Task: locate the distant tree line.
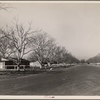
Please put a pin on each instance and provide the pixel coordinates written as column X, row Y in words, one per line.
column 45, row 50
column 95, row 59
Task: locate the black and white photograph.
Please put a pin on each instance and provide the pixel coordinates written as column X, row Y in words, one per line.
column 49, row 48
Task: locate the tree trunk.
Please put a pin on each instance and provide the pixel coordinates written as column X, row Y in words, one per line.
column 24, row 68
column 18, row 67
column 45, row 67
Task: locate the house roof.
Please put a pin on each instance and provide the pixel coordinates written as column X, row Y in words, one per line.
column 3, row 60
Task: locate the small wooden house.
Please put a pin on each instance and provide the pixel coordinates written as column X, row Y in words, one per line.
column 10, row 64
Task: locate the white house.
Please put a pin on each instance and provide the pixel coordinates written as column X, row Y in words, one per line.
column 2, row 63
column 35, row 64
column 6, row 64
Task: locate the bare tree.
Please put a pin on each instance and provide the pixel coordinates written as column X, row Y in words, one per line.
column 61, row 55
column 5, row 47
column 58, row 54
column 4, row 6
column 42, row 45
column 14, row 43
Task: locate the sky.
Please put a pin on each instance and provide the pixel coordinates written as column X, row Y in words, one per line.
column 73, row 25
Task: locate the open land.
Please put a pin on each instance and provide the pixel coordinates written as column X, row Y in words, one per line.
column 81, row 80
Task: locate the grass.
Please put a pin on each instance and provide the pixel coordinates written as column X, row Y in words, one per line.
column 7, row 74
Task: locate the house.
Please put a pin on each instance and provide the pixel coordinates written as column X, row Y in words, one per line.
column 35, row 65
column 10, row 64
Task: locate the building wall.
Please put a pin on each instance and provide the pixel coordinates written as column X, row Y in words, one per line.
column 2, row 65
column 35, row 64
column 8, row 64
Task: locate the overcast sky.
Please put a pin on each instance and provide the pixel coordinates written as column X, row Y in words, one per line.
column 74, row 25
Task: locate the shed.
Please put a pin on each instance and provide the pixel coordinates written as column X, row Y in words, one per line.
column 10, row 64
